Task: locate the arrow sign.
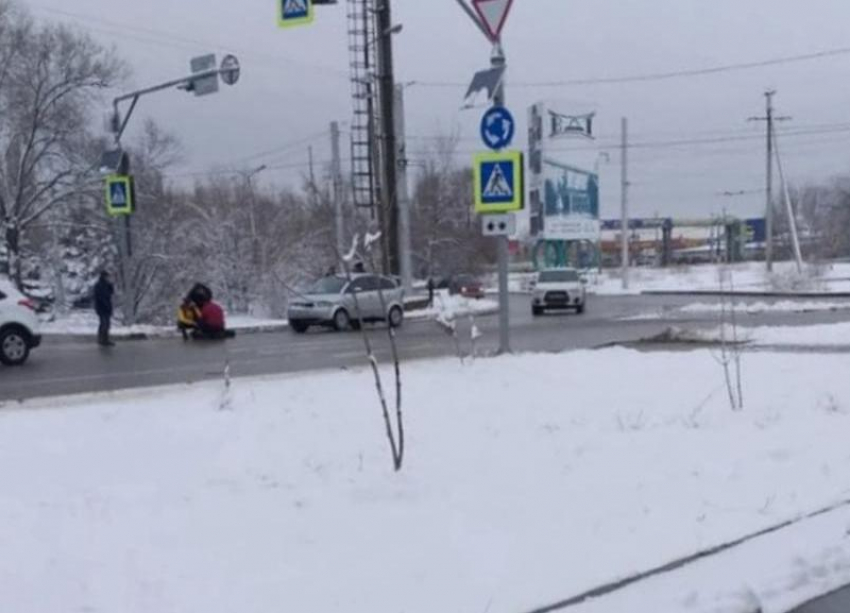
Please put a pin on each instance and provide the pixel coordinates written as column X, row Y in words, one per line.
column 497, row 128
column 493, row 15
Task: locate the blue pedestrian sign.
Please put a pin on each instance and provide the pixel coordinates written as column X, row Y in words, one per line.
column 119, row 195
column 499, row 182
column 498, row 128
column 294, row 13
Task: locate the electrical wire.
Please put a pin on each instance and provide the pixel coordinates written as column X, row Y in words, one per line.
column 662, row 76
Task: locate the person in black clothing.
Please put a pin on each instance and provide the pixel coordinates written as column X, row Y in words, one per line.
column 430, row 291
column 103, row 291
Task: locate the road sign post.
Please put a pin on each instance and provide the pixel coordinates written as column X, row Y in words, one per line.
column 499, row 187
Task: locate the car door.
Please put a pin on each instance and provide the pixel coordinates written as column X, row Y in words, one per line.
column 363, row 287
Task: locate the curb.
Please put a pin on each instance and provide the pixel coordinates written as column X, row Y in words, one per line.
column 745, row 294
column 145, row 336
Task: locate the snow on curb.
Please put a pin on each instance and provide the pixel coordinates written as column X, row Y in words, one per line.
column 85, row 325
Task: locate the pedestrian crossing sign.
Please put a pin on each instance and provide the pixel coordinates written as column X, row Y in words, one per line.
column 119, row 195
column 294, row 13
column 499, row 182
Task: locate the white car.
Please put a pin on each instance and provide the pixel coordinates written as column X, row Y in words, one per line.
column 558, row 288
column 19, row 330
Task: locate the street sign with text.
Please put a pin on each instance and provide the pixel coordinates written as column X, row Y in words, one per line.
column 493, row 15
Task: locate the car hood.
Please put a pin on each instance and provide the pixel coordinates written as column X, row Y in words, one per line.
column 304, row 298
column 558, row 286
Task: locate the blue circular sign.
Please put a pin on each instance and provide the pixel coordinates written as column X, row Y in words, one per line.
column 498, row 128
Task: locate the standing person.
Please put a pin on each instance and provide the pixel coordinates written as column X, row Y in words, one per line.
column 103, row 291
column 430, row 291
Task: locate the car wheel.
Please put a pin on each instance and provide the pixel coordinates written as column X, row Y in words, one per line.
column 536, row 311
column 14, row 348
column 341, row 320
column 580, row 309
column 396, row 317
column 299, row 327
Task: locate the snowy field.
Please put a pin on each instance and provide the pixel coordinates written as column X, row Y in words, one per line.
column 528, row 479
column 749, row 276
column 825, row 335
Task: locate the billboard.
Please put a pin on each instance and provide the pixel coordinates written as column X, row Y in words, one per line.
column 563, row 199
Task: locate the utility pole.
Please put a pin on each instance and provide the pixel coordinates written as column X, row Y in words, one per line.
column 405, row 264
column 336, row 172
column 769, row 119
column 389, row 164
column 624, row 203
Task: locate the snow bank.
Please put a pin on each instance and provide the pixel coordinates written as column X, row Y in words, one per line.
column 85, row 324
column 749, row 276
column 756, row 308
column 448, row 308
column 528, row 479
column 824, row 335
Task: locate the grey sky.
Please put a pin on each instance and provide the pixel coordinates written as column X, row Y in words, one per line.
column 296, row 81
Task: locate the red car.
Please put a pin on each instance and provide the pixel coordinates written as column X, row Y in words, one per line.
column 466, row 286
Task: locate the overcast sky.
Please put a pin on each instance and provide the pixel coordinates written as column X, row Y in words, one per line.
column 295, row 82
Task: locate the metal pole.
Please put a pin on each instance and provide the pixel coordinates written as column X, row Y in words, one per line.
column 768, row 251
column 624, row 204
column 405, row 264
column 390, row 231
column 498, row 60
column 336, row 170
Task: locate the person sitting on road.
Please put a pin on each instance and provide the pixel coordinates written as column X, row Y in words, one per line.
column 188, row 315
column 210, row 325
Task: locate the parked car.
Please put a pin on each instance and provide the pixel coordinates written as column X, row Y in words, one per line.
column 558, row 288
column 463, row 285
column 19, row 330
column 331, row 302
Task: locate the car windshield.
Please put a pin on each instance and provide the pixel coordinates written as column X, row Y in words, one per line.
column 328, row 285
column 559, row 276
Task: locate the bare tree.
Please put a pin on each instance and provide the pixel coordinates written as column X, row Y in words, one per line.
column 50, row 77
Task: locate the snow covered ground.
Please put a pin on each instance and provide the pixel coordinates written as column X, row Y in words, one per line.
column 448, row 308
column 825, row 335
column 84, row 323
column 749, row 276
column 528, row 479
column 758, row 308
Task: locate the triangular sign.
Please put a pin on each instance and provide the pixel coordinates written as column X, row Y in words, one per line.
column 295, row 8
column 497, row 185
column 118, row 196
column 493, row 15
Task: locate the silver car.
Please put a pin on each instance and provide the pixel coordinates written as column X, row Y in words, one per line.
column 331, row 302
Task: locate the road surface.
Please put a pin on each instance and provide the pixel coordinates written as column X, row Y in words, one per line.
column 68, row 366
column 837, row 602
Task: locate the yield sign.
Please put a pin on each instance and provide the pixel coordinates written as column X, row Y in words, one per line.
column 493, row 15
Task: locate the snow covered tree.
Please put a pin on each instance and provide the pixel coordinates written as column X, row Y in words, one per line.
column 51, row 76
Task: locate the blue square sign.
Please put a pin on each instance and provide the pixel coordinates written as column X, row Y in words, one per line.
column 498, row 182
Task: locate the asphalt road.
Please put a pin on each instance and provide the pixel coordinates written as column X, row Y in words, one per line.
column 837, row 602
column 68, row 366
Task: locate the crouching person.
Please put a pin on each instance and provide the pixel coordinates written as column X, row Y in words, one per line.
column 210, row 324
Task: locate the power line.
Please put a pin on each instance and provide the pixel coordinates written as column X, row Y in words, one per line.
column 172, row 39
column 665, row 76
